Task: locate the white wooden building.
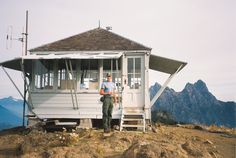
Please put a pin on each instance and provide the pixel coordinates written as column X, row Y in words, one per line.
column 64, row 77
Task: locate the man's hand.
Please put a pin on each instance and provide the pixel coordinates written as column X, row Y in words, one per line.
column 104, row 93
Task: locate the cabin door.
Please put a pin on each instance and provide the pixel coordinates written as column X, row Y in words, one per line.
column 134, row 81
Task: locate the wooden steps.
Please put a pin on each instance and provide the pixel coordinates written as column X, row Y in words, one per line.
column 132, row 120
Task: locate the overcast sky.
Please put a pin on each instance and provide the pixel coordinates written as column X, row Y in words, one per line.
column 200, row 32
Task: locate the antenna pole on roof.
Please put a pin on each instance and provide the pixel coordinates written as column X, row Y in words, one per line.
column 23, row 68
column 26, row 33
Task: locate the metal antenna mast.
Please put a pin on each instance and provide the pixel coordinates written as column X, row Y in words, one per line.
column 23, row 67
column 26, row 33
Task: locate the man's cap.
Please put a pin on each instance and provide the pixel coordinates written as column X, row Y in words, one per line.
column 108, row 75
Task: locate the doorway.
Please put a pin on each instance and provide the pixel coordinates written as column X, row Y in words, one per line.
column 134, row 89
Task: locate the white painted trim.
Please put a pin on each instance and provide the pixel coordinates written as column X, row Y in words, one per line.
column 78, row 73
column 89, row 52
column 73, row 56
column 100, row 71
column 146, row 90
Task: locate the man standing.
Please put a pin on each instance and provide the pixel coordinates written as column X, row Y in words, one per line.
column 108, row 91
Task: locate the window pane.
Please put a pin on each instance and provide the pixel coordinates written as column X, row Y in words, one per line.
column 137, row 65
column 130, row 81
column 137, row 79
column 114, row 64
column 44, row 74
column 64, row 77
column 89, row 74
column 93, row 79
column 130, row 65
column 85, row 64
column 107, row 64
column 93, row 64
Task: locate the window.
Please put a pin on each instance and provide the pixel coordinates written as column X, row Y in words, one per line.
column 134, row 73
column 66, row 80
column 110, row 66
column 53, row 74
column 89, row 74
column 44, row 74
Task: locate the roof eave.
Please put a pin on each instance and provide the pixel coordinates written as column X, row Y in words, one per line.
column 95, row 51
column 165, row 65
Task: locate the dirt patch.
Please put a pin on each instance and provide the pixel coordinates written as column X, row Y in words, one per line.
column 164, row 141
column 148, row 150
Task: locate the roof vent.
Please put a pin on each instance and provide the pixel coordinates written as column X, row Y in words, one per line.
column 108, row 28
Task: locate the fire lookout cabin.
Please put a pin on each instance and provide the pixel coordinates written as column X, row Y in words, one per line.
column 64, row 77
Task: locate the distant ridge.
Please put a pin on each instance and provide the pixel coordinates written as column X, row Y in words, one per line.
column 8, row 119
column 195, row 104
column 13, row 105
column 10, row 112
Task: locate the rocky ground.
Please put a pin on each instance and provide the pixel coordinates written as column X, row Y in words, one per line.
column 183, row 141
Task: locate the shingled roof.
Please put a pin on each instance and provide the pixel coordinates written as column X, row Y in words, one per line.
column 94, row 40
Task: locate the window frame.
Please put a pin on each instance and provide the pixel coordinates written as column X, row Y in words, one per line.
column 134, row 73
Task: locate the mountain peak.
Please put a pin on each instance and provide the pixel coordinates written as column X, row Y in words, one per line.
column 188, row 85
column 10, row 97
column 201, row 86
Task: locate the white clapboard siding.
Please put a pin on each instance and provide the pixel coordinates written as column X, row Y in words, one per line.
column 65, row 100
column 75, row 116
column 59, row 105
column 45, row 113
column 50, row 110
